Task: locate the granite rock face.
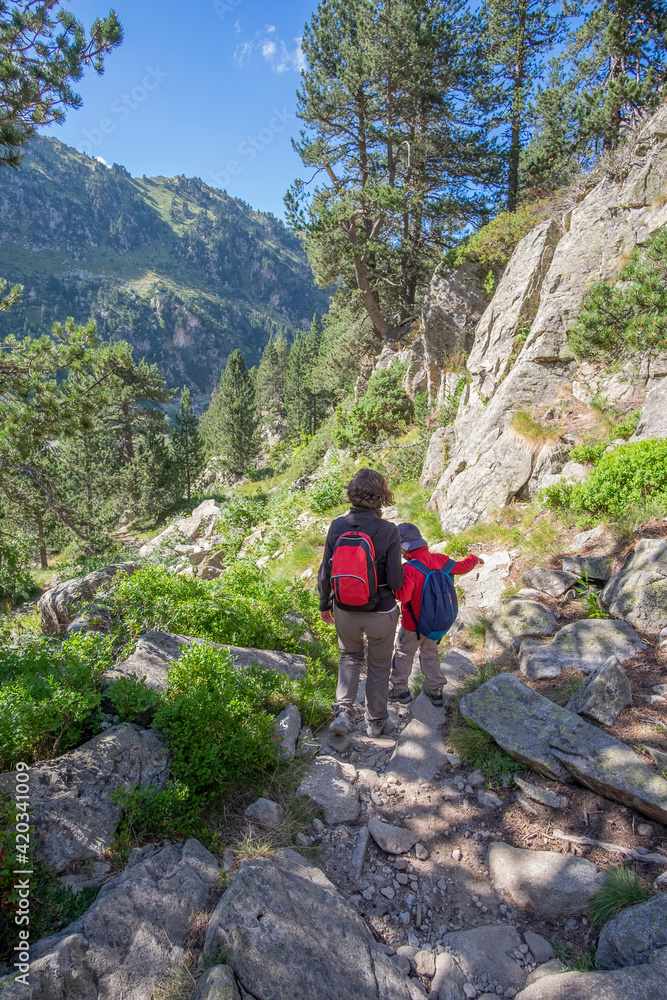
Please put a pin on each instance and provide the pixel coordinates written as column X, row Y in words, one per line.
column 653, row 421
column 60, row 605
column 638, row 594
column 631, row 936
column 125, row 944
column 289, row 934
column 520, row 359
column 288, row 727
column 326, row 787
column 550, row 581
column 584, row 645
column 554, row 885
column 604, row 694
column 641, row 982
column 594, row 567
column 487, row 949
column 73, row 815
column 515, row 619
column 557, row 744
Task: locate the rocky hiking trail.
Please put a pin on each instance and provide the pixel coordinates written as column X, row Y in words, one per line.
column 418, row 874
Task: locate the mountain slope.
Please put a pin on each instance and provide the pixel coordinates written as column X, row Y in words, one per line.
column 179, row 269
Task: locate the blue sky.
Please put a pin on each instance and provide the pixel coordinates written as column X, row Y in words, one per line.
column 205, row 89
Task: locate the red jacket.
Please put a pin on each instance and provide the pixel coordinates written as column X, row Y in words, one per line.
column 413, row 581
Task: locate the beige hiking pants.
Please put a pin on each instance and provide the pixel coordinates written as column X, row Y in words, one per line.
column 380, row 630
column 407, row 644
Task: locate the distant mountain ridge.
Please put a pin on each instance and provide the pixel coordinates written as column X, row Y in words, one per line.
column 177, row 268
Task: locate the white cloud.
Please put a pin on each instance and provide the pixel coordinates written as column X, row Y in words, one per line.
column 100, row 159
column 275, row 52
column 237, row 27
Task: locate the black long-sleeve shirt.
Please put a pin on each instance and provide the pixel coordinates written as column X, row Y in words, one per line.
column 387, row 544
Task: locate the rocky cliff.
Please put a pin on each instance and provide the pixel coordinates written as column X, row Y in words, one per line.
column 518, row 357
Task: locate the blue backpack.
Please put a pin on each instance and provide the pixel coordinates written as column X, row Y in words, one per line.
column 439, row 603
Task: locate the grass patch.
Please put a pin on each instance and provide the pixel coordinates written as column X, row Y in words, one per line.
column 475, row 633
column 479, row 749
column 576, row 961
column 411, row 501
column 621, row 888
column 564, row 687
column 180, row 984
column 532, row 430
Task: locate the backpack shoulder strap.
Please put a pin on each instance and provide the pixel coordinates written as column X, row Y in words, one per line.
column 420, row 566
column 449, row 566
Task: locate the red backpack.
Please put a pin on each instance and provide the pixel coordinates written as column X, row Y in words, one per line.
column 353, row 575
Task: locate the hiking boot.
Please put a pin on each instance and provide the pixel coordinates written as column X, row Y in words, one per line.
column 374, row 729
column 342, row 724
column 403, row 697
column 435, row 697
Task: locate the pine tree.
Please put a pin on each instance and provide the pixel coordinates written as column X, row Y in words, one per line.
column 187, row 445
column 396, row 120
column 271, row 376
column 230, row 425
column 296, row 388
column 521, row 33
column 315, row 397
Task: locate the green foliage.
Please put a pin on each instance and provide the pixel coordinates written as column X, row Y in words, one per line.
column 237, row 517
column 451, row 401
column 526, row 425
column 49, row 695
column 627, row 317
column 133, row 700
column 326, row 494
column 54, row 905
column 16, row 553
column 493, row 244
column 243, row 608
column 628, row 477
column 576, row 961
column 621, row 888
column 384, row 409
column 589, row 451
column 626, row 428
column 230, row 425
column 43, row 51
column 187, row 445
column 477, row 748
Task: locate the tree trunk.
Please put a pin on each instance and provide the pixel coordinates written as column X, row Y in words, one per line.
column 43, row 559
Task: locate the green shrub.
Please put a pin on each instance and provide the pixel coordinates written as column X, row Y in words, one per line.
column 621, row 888
column 49, row 695
column 238, row 517
column 589, row 451
column 626, row 428
column 627, row 316
column 16, row 552
column 133, row 700
column 326, row 494
column 625, row 478
column 385, row 409
column 244, row 607
column 493, row 245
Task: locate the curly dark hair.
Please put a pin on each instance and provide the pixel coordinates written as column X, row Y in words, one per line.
column 369, row 489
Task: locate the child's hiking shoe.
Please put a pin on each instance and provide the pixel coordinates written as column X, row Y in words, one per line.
column 402, row 697
column 435, row 697
column 342, row 724
column 374, row 729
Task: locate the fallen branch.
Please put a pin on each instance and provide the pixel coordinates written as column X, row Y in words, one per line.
column 656, row 859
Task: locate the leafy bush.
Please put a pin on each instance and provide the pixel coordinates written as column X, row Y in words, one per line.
column 589, row 451
column 626, row 428
column 627, row 316
column 237, row 518
column 326, row 494
column 493, row 245
column 384, row 409
column 133, row 700
column 621, row 888
column 244, row 607
column 624, row 478
column 49, row 695
column 16, row 583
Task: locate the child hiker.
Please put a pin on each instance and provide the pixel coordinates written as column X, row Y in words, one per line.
column 429, row 609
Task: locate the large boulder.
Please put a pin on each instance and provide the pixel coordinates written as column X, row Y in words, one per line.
column 289, row 934
column 558, row 743
column 554, row 885
column 593, row 567
column 642, row 982
column 134, row 933
column 187, row 529
column 155, row 652
column 72, row 812
column 420, row 750
column 488, row 951
column 435, row 458
column 515, row 619
column 653, row 421
column 325, row 786
column 631, row 936
column 638, row 593
column 582, row 645
column 482, row 588
column 554, row 582
column 60, row 605
column 604, row 694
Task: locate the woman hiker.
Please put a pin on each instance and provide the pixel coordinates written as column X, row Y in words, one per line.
column 360, row 571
